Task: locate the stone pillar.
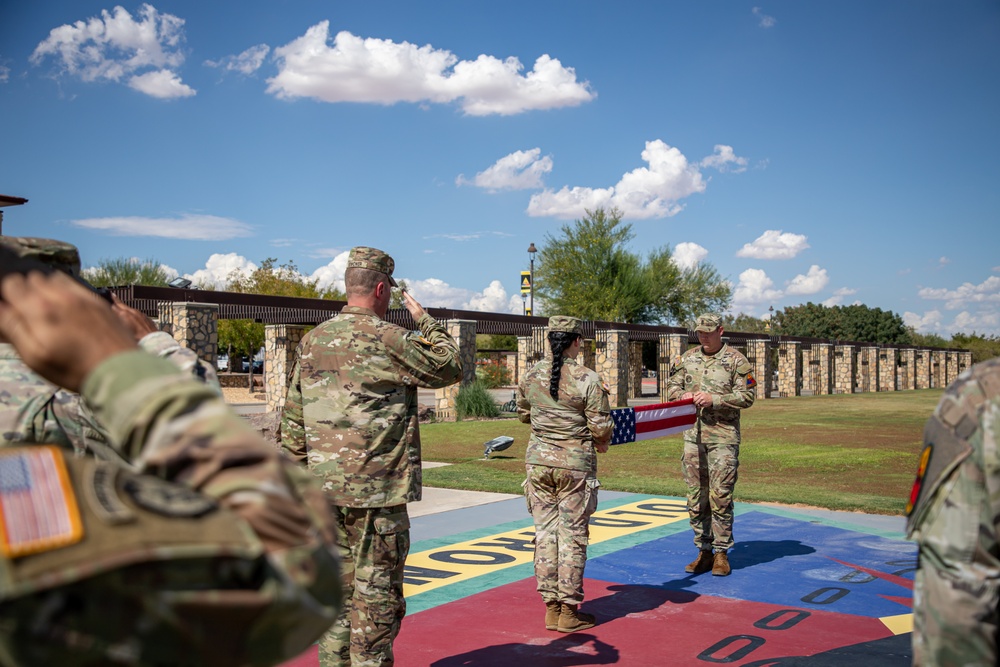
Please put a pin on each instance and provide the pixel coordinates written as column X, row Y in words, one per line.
column 887, row 369
column 938, row 369
column 612, row 364
column 464, row 333
column 789, row 368
column 759, row 356
column 908, row 368
column 844, row 363
column 868, row 369
column 809, row 371
column 669, row 348
column 588, row 354
column 950, row 367
column 923, row 375
column 193, row 325
column 823, row 352
column 280, row 341
column 964, row 360
column 635, row 368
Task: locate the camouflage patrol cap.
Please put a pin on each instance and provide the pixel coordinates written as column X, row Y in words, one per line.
column 363, row 257
column 565, row 323
column 57, row 254
column 708, row 323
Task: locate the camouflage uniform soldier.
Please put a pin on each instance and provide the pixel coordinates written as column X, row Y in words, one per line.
column 214, row 550
column 953, row 514
column 351, row 417
column 719, row 380
column 33, row 409
column 567, row 407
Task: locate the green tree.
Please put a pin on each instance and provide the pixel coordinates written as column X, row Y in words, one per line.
column 121, row 271
column 745, row 324
column 855, row 322
column 245, row 337
column 928, row 340
column 588, row 272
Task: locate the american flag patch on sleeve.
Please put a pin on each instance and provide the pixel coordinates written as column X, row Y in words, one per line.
column 38, row 509
column 652, row 421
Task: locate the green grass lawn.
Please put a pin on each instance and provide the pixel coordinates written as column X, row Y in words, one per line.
column 843, row 452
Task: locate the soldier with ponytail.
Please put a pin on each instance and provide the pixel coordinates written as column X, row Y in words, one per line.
column 567, row 407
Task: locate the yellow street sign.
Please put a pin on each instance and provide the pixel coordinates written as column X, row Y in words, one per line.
column 525, row 282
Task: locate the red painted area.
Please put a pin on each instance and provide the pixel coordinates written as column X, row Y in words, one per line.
column 638, row 625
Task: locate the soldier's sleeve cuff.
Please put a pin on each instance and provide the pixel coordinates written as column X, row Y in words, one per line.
column 158, row 342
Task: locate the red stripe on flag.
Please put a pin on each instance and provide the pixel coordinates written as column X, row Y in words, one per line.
column 663, row 419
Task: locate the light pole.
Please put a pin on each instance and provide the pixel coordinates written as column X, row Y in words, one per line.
column 531, row 276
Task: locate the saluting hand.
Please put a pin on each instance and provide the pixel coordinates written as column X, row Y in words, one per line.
column 416, row 310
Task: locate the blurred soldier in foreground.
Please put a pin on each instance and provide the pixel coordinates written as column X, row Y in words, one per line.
column 351, row 416
column 953, row 515
column 567, row 407
column 719, row 380
column 213, row 551
column 34, row 410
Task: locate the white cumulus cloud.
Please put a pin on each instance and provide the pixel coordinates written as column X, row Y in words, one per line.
column 724, row 159
column 754, row 288
column 118, row 47
column 774, row 244
column 188, row 227
column 987, row 291
column 765, row 20
column 332, row 274
column 380, row 71
column 218, row 268
column 687, row 255
column 245, row 63
column 838, row 297
column 809, row 283
column 646, row 192
column 521, row 170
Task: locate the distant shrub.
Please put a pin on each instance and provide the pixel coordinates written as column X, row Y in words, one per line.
column 492, row 374
column 474, row 400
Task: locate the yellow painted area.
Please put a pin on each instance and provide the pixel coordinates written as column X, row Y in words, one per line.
column 451, row 564
column 898, row 625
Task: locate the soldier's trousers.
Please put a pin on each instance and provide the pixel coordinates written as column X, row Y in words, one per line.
column 372, row 544
column 561, row 502
column 710, row 472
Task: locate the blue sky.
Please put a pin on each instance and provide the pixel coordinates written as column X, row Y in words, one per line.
column 811, row 151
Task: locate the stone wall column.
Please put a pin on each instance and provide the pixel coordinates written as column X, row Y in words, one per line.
column 810, row 369
column 759, row 356
column 908, row 368
column 789, row 368
column 668, row 349
column 964, row 360
column 887, row 369
column 464, row 333
column 280, row 342
column 824, row 353
column 844, row 361
column 193, row 325
column 938, row 369
column 612, row 364
column 868, row 369
column 923, row 369
column 588, row 354
column 635, row 368
column 951, row 367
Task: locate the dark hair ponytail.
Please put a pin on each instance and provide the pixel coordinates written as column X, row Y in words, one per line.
column 559, row 341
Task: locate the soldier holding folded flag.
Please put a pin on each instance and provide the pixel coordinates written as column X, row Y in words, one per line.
column 718, row 379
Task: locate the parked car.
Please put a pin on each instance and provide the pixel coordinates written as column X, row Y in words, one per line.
column 222, row 362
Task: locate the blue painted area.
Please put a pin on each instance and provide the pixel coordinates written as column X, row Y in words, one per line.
column 779, row 560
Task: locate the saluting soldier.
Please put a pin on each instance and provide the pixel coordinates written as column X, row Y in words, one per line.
column 719, row 379
column 199, row 544
column 351, row 417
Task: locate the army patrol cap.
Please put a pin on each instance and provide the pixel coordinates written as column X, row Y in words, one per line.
column 708, row 323
column 373, row 259
column 57, row 254
column 565, row 323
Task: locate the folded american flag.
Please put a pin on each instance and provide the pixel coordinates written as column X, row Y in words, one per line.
column 652, row 421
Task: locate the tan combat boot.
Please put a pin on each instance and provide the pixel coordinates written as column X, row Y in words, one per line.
column 703, row 563
column 721, row 566
column 552, row 612
column 571, row 620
